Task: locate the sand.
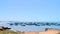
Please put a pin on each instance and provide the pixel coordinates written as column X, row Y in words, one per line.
column 48, row 31
column 30, row 32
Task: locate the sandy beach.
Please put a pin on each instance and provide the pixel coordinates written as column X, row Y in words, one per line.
column 47, row 31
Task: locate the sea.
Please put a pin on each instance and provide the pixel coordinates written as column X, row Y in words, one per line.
column 27, row 28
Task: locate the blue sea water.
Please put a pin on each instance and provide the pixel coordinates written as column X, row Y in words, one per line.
column 29, row 28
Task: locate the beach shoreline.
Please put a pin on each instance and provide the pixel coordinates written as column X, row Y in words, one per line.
column 47, row 31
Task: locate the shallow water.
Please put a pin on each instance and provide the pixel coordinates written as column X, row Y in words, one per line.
column 29, row 28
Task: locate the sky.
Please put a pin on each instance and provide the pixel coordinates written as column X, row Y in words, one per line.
column 30, row 10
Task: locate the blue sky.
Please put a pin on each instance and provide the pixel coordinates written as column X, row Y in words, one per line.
column 30, row 10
